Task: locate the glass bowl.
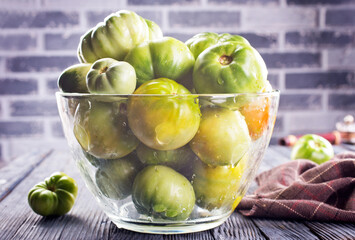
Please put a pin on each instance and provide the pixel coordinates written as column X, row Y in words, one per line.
column 168, row 163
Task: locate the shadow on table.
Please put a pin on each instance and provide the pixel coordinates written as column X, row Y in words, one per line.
column 53, row 221
column 119, row 233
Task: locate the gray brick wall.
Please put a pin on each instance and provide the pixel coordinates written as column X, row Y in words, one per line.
column 309, row 48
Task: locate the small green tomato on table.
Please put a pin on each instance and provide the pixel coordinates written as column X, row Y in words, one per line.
column 312, row 147
column 55, row 196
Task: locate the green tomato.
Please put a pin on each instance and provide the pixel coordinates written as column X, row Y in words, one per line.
column 312, row 147
column 154, row 30
column 92, row 159
column 102, row 130
column 115, row 177
column 160, row 191
column 109, row 76
column 162, row 58
column 229, row 67
column 55, row 196
column 163, row 122
column 73, row 79
column 222, row 138
column 176, row 159
column 218, row 186
column 115, row 37
column 198, row 43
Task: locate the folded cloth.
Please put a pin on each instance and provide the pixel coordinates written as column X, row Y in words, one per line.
column 302, row 189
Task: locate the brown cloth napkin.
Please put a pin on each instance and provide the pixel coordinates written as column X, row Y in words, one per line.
column 301, row 189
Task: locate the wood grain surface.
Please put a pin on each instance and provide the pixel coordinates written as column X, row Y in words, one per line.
column 87, row 221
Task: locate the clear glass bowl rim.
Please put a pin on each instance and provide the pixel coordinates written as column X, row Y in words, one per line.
column 274, row 92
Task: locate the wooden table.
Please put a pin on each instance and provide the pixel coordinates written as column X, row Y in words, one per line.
column 87, row 221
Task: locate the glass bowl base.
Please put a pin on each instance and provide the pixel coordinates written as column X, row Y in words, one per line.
column 167, row 227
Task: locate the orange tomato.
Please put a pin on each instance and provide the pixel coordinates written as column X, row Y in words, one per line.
column 256, row 114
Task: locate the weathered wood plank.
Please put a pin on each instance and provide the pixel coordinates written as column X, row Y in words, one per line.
column 237, row 227
column 122, row 234
column 12, row 174
column 280, row 229
column 333, row 231
column 85, row 221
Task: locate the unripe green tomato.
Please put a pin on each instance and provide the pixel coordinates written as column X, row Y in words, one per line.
column 96, row 162
column 109, row 76
column 115, row 177
column 201, row 41
column 154, row 30
column 73, row 79
column 101, row 129
column 176, row 158
column 229, row 67
column 222, row 138
column 218, row 186
column 312, row 147
column 55, row 196
column 163, row 122
column 160, row 191
column 115, row 37
column 162, row 58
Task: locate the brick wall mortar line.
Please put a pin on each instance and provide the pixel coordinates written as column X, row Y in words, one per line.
column 324, row 59
column 26, row 97
column 2, row 64
column 41, row 53
column 242, row 23
column 267, row 50
column 321, row 18
column 312, row 70
column 350, row 6
column 282, row 81
column 30, row 118
column 28, row 75
column 315, row 91
column 108, row 6
column 339, row 28
column 40, row 43
column 83, row 22
column 264, row 31
column 42, row 88
column 314, row 113
column 5, row 108
column 165, row 19
column 8, row 31
column 306, row 114
column 281, row 40
column 308, row 48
